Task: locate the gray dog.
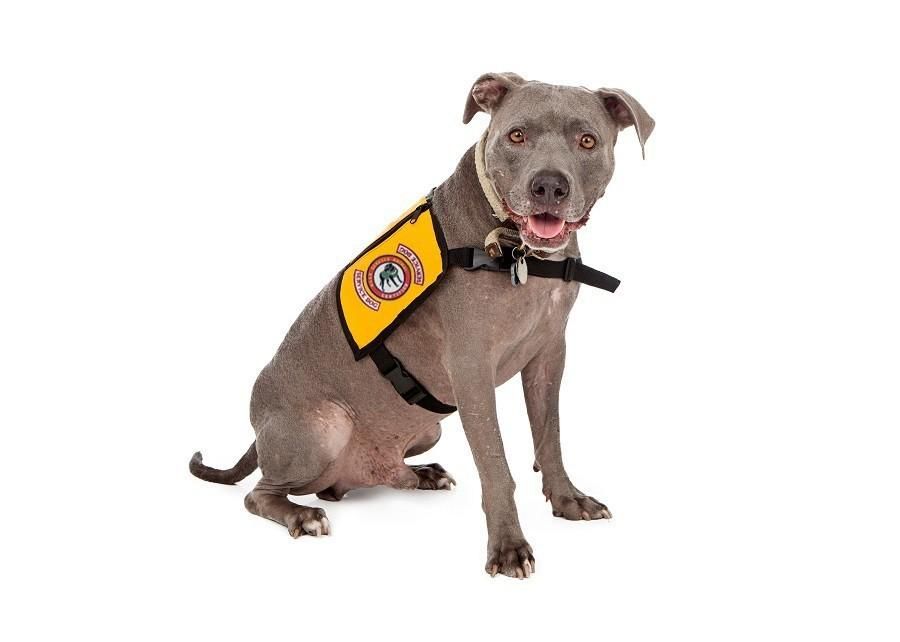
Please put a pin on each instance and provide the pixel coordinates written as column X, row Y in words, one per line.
column 326, row 423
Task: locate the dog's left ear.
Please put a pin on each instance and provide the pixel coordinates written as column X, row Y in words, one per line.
column 488, row 92
column 626, row 111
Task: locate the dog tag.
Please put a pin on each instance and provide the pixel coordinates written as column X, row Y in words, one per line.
column 519, row 271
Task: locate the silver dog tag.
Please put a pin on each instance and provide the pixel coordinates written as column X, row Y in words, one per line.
column 519, row 271
column 522, row 270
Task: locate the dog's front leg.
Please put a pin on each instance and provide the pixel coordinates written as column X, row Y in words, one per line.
column 541, row 380
column 473, row 387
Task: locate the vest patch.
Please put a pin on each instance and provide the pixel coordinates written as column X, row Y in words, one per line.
column 382, row 286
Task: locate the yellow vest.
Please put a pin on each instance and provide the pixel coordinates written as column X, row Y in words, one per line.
column 382, row 286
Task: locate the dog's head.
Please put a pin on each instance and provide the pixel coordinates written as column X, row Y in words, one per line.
column 548, row 150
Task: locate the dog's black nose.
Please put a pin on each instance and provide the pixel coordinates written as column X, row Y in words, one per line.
column 549, row 187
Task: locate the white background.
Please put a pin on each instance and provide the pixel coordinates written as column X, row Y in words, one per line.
column 177, row 180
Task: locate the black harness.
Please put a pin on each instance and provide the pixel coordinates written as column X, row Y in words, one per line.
column 473, row 258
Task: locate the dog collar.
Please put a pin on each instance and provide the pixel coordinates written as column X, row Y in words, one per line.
column 490, row 192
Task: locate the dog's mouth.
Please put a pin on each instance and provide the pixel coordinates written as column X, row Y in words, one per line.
column 544, row 230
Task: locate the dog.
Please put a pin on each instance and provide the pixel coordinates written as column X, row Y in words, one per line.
column 326, row 423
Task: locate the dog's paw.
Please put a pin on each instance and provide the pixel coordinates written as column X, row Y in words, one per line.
column 510, row 556
column 577, row 506
column 433, row 477
column 308, row 521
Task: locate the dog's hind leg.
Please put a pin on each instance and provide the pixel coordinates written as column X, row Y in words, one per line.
column 299, row 520
column 374, row 467
column 424, row 441
column 296, row 451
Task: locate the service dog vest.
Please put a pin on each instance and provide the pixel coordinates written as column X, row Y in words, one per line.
column 384, row 285
column 392, row 277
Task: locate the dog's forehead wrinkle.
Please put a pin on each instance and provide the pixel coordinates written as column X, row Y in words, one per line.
column 536, row 99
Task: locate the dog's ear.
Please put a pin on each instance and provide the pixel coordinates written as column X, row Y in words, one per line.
column 626, row 111
column 488, row 91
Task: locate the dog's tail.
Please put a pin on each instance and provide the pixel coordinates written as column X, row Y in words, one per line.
column 246, row 465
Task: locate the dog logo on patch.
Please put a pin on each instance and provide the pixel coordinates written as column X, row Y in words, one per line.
column 388, row 277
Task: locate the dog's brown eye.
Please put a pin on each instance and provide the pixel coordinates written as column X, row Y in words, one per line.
column 588, row 141
column 517, row 136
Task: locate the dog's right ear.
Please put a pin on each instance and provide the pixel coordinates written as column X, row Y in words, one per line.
column 488, row 92
column 627, row 112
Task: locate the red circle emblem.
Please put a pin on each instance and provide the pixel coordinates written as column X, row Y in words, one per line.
column 388, row 277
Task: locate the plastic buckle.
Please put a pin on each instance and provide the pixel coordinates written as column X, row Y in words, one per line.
column 480, row 259
column 404, row 384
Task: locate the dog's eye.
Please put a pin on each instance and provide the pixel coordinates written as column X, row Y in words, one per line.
column 517, row 136
column 587, row 141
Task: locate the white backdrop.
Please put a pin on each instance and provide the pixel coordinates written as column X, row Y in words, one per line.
column 177, row 180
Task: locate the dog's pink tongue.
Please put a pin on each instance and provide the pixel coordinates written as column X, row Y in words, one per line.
column 545, row 226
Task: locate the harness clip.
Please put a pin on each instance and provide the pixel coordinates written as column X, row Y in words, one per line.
column 481, row 259
column 405, row 385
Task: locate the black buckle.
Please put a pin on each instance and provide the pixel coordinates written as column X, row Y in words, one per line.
column 481, row 259
column 569, row 269
column 404, row 384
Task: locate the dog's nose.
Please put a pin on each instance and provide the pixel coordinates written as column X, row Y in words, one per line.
column 549, row 187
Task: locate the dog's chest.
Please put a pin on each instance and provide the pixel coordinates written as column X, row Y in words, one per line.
column 520, row 320
column 483, row 315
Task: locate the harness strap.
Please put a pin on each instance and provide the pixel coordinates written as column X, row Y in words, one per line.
column 473, row 258
column 405, row 384
column 571, row 269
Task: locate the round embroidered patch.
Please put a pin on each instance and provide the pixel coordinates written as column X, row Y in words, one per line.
column 388, row 277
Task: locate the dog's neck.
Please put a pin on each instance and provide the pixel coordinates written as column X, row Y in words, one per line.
column 467, row 216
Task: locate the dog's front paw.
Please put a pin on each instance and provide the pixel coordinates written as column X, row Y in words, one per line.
column 510, row 556
column 433, row 477
column 577, row 506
